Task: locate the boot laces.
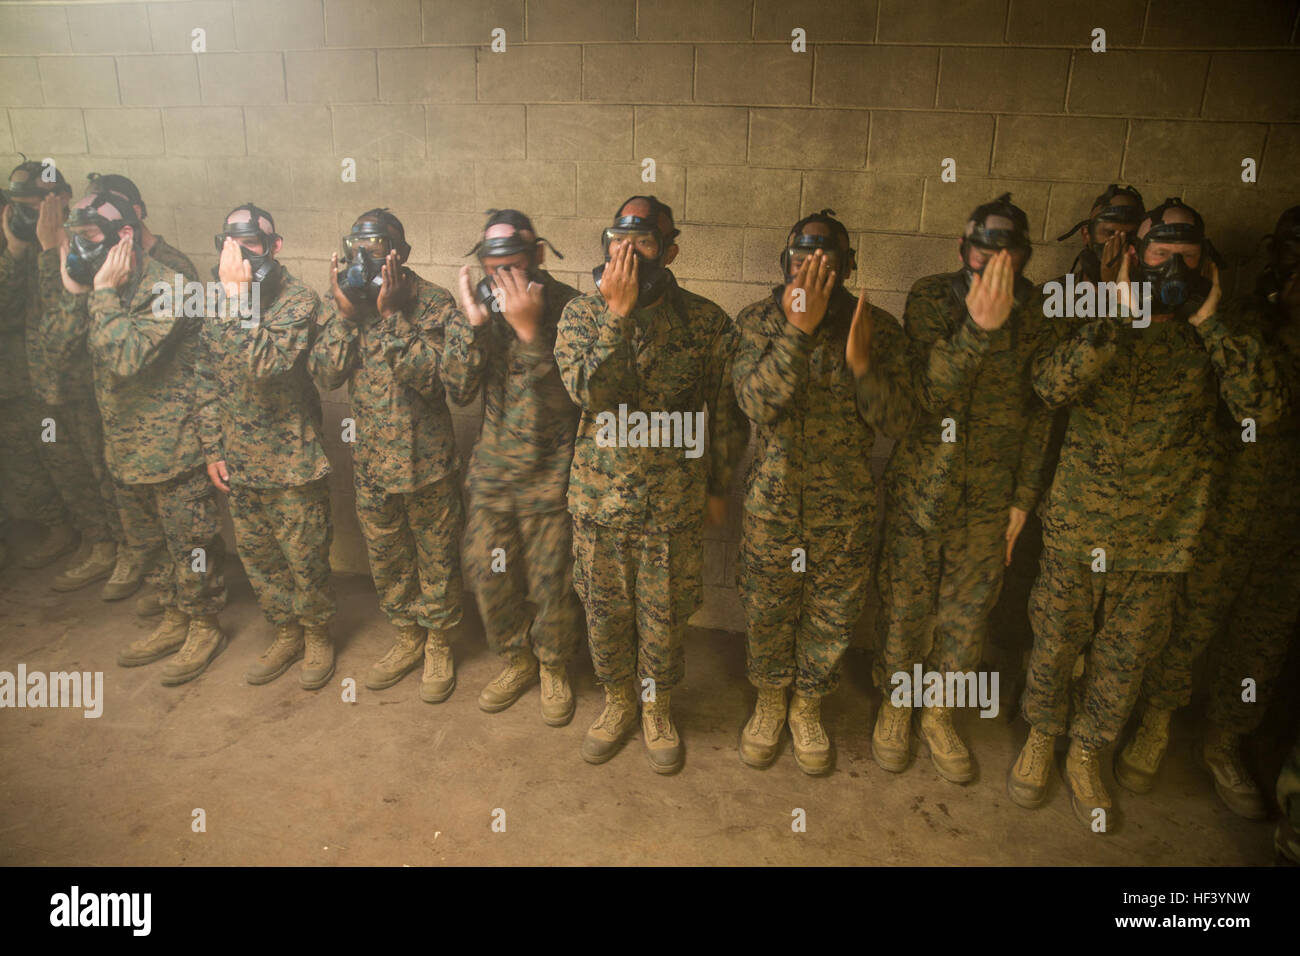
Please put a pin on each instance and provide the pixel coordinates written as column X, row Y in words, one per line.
column 123, row 571
column 1228, row 759
column 809, row 725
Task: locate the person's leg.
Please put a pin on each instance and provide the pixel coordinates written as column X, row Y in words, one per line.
column 494, row 558
column 31, row 490
column 556, row 628
column 437, row 520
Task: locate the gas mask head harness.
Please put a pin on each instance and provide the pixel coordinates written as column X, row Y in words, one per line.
column 649, row 242
column 1175, row 286
column 266, row 271
column 115, row 183
column 521, row 238
column 110, row 212
column 994, row 238
column 374, row 235
column 1283, row 245
column 28, row 181
column 836, row 247
column 1105, row 209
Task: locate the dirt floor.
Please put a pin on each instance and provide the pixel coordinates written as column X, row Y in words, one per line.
column 286, row 776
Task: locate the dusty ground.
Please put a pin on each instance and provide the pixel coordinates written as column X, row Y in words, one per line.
column 290, row 777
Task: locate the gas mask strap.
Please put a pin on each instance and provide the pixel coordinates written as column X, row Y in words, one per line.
column 1073, row 229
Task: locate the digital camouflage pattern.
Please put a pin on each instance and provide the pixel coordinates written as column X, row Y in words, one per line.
column 172, row 259
column 1242, row 594
column 639, row 591
column 1134, row 609
column 521, row 462
column 810, row 485
column 283, row 537
column 674, row 356
column 413, row 541
column 1286, row 836
column 17, row 289
column 258, row 410
column 184, row 510
column 538, row 569
column 398, row 374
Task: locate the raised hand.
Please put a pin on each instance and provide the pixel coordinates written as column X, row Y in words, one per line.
column 1113, row 252
column 49, row 225
column 1015, row 524
column 523, row 302
column 117, row 266
column 233, row 269
column 991, row 295
column 857, row 350
column 394, row 292
column 618, row 283
column 817, row 280
column 347, row 310
column 472, row 308
column 1211, row 303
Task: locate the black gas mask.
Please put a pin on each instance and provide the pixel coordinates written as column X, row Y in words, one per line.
column 86, row 256
column 648, row 243
column 994, row 240
column 500, row 247
column 1283, row 256
column 1088, row 263
column 364, row 250
column 266, row 271
column 799, row 247
column 25, row 183
column 1176, row 287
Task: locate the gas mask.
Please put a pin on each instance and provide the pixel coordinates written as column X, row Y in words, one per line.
column 86, row 256
column 1176, row 288
column 800, row 246
column 500, row 247
column 362, row 258
column 650, row 246
column 25, row 182
column 993, row 240
column 266, row 271
column 23, row 221
column 1284, row 256
column 1088, row 263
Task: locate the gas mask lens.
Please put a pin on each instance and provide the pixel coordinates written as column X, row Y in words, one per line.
column 645, row 243
column 373, row 247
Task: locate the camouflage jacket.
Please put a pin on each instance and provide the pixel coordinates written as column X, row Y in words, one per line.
column 525, row 448
column 17, row 279
column 1258, row 492
column 258, row 409
column 65, row 373
column 674, row 357
column 144, row 362
column 975, row 388
column 812, row 455
column 1141, row 447
column 396, row 371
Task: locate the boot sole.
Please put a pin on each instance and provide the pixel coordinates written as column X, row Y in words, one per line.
column 1083, row 812
column 439, row 697
column 186, row 678
column 665, row 769
column 267, row 678
column 943, row 772
column 316, row 684
column 757, row 763
column 69, row 587
column 1220, row 790
column 141, row 661
column 597, row 759
column 562, row 720
column 495, row 708
column 1024, row 802
column 1134, row 782
column 884, row 763
column 122, row 596
column 384, row 685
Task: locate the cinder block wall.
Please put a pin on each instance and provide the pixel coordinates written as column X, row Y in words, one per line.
column 746, row 134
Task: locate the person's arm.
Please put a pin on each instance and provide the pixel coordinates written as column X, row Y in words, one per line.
column 467, row 348
column 1030, row 476
column 1251, row 382
column 941, row 363
column 770, row 365
column 64, row 319
column 336, row 353
column 1070, row 361
column 728, row 426
column 593, row 350
column 275, row 346
column 207, row 393
column 884, row 396
column 414, row 345
column 13, row 288
column 127, row 340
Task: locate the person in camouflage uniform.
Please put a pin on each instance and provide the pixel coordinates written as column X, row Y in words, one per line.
column 144, row 354
column 1113, row 216
column 643, row 344
column 963, row 480
column 384, row 337
column 1241, row 595
column 259, row 423
column 803, row 377
column 24, row 478
column 519, row 537
column 1286, row 835
column 1131, row 493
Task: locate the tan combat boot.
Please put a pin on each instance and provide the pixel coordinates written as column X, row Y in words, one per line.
column 612, row 726
column 318, row 663
column 948, row 753
column 557, row 696
column 1136, row 764
column 519, row 673
column 279, row 654
column 1222, row 757
column 166, row 638
column 1028, row 776
column 401, row 659
column 59, row 540
column 1087, row 792
column 812, row 748
column 204, row 641
column 662, row 744
column 98, row 564
column 149, row 605
column 761, row 735
column 127, row 576
column 439, row 678
column 891, row 739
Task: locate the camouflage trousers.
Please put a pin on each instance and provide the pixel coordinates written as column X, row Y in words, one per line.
column 283, row 537
column 534, row 566
column 952, row 577
column 1241, row 599
column 800, row 623
column 1286, row 836
column 1124, row 616
column 639, row 589
column 75, row 460
column 180, row 518
column 28, row 489
column 1009, row 620
column 413, row 542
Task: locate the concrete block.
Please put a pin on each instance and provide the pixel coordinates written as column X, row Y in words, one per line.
column 947, row 205
column 1058, row 147
column 747, row 195
column 616, row 72
column 241, row 79
column 716, row 21
column 802, row 138
column 204, row 131
column 692, row 134
column 877, row 76
column 1155, row 83
column 824, row 22
column 124, row 132
column 547, row 189
column 937, row 21
column 331, row 76
column 580, row 132
column 461, row 132
column 1011, row 79
column 602, row 186
column 47, row 132
column 159, row 80
column 373, row 23
column 1255, row 86
column 752, row 74
column 109, row 28
column 865, row 200
column 573, row 21
column 1191, row 152
column 32, row 30
column 453, row 21
column 530, row 74
column 283, row 25
column 21, row 81
column 171, row 25
column 78, row 80
column 920, row 142
column 384, row 132
column 427, row 75
column 289, row 131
